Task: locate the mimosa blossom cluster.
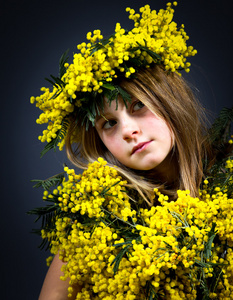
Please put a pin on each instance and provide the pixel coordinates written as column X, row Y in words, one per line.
column 116, row 249
column 97, row 67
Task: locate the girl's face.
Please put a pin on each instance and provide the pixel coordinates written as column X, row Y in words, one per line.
column 137, row 138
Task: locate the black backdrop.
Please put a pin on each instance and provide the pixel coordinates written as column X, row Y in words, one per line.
column 34, row 34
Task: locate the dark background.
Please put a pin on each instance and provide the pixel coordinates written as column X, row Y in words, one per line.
column 34, row 34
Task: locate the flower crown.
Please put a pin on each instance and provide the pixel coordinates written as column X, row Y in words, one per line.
column 101, row 64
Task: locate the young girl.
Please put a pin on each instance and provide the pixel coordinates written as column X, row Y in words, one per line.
column 178, row 114
column 146, row 124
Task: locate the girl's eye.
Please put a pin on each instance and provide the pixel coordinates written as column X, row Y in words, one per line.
column 138, row 105
column 109, row 124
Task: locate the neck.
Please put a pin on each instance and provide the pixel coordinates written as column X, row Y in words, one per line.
column 166, row 173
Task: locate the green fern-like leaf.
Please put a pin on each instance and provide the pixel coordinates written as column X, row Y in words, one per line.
column 46, row 184
column 220, row 130
column 63, row 60
column 95, row 47
column 219, row 134
column 57, row 81
column 43, row 211
column 118, row 258
column 48, row 215
column 150, row 292
column 208, row 246
column 60, row 136
column 113, row 91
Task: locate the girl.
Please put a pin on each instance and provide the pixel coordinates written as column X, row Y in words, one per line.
column 146, row 122
column 156, row 141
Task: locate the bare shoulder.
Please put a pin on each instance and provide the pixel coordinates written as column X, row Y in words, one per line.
column 53, row 287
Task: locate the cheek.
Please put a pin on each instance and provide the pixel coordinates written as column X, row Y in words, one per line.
column 161, row 129
column 157, row 125
column 111, row 143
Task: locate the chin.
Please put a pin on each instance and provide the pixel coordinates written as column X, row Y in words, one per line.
column 147, row 167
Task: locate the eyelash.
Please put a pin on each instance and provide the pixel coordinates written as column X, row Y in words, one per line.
column 107, row 122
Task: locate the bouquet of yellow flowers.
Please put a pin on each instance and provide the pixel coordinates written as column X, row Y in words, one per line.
column 116, row 248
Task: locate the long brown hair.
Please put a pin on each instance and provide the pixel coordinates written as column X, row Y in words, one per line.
column 169, row 96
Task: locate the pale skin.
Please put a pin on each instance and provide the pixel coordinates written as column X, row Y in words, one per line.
column 140, row 140
column 53, row 287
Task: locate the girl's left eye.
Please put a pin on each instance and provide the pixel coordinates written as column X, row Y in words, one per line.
column 109, row 124
column 138, row 105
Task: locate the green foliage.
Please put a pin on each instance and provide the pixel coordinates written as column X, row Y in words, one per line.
column 219, row 135
column 156, row 57
column 47, row 213
column 150, row 292
column 221, row 128
column 60, row 136
column 57, row 81
column 208, row 245
column 120, row 255
column 52, row 181
column 113, row 91
column 63, row 60
column 93, row 103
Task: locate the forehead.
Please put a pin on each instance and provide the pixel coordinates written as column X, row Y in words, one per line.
column 113, row 105
column 110, row 107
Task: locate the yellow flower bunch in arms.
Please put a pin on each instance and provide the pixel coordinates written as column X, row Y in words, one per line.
column 115, row 248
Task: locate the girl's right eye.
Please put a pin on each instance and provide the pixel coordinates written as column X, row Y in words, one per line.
column 109, row 124
column 138, row 105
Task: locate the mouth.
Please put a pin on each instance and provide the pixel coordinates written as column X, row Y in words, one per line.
column 140, row 147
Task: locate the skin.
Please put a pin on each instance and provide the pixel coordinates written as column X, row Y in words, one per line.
column 138, row 138
column 53, row 287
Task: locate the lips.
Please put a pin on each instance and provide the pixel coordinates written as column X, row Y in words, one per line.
column 139, row 147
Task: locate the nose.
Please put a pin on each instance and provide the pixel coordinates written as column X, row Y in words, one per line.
column 130, row 128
